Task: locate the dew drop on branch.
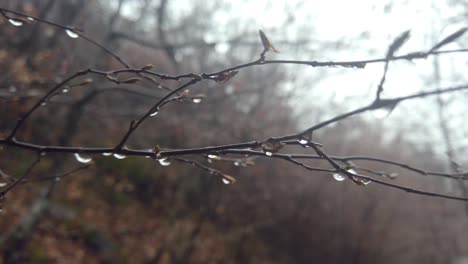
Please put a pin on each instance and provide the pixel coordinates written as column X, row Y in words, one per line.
column 381, row 113
column 236, row 163
column 106, row 154
column 365, row 182
column 196, row 100
column 268, row 153
column 154, row 113
column 211, row 156
column 338, row 176
column 65, row 90
column 31, row 19
column 164, row 162
column 3, row 184
column 226, row 181
column 71, row 33
column 119, row 156
column 82, row 159
column 303, row 141
column 15, row 22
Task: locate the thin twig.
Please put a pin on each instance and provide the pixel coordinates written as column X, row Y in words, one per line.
column 20, row 179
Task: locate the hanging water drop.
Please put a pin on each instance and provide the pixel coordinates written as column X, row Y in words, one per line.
column 303, row 141
column 338, row 176
column 236, row 163
column 268, row 153
column 71, row 33
column 154, row 113
column 365, row 182
column 211, row 156
column 15, row 22
column 119, row 156
column 226, row 181
column 82, row 159
column 43, row 104
column 31, row 19
column 196, row 100
column 106, row 154
column 164, row 162
column 3, row 184
column 381, row 113
column 385, row 110
column 65, row 90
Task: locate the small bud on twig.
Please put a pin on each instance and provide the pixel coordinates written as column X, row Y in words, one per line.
column 147, row 67
column 85, row 82
column 398, row 43
column 266, row 42
column 452, row 37
column 225, row 76
column 131, row 80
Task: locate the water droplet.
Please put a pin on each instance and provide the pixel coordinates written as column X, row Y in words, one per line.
column 196, row 100
column 339, row 176
column 381, row 113
column 82, row 159
column 303, row 141
column 43, row 104
column 268, row 153
column 365, row 182
column 119, row 156
column 3, row 184
column 106, row 154
column 154, row 113
column 15, row 22
column 211, row 156
column 164, row 162
column 226, row 181
column 30, row 19
column 236, row 163
column 71, row 33
column 65, row 90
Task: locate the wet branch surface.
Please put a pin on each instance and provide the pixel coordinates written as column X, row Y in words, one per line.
column 268, row 148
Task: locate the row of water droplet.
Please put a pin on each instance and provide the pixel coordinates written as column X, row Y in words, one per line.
column 341, row 177
column 85, row 159
column 19, row 22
